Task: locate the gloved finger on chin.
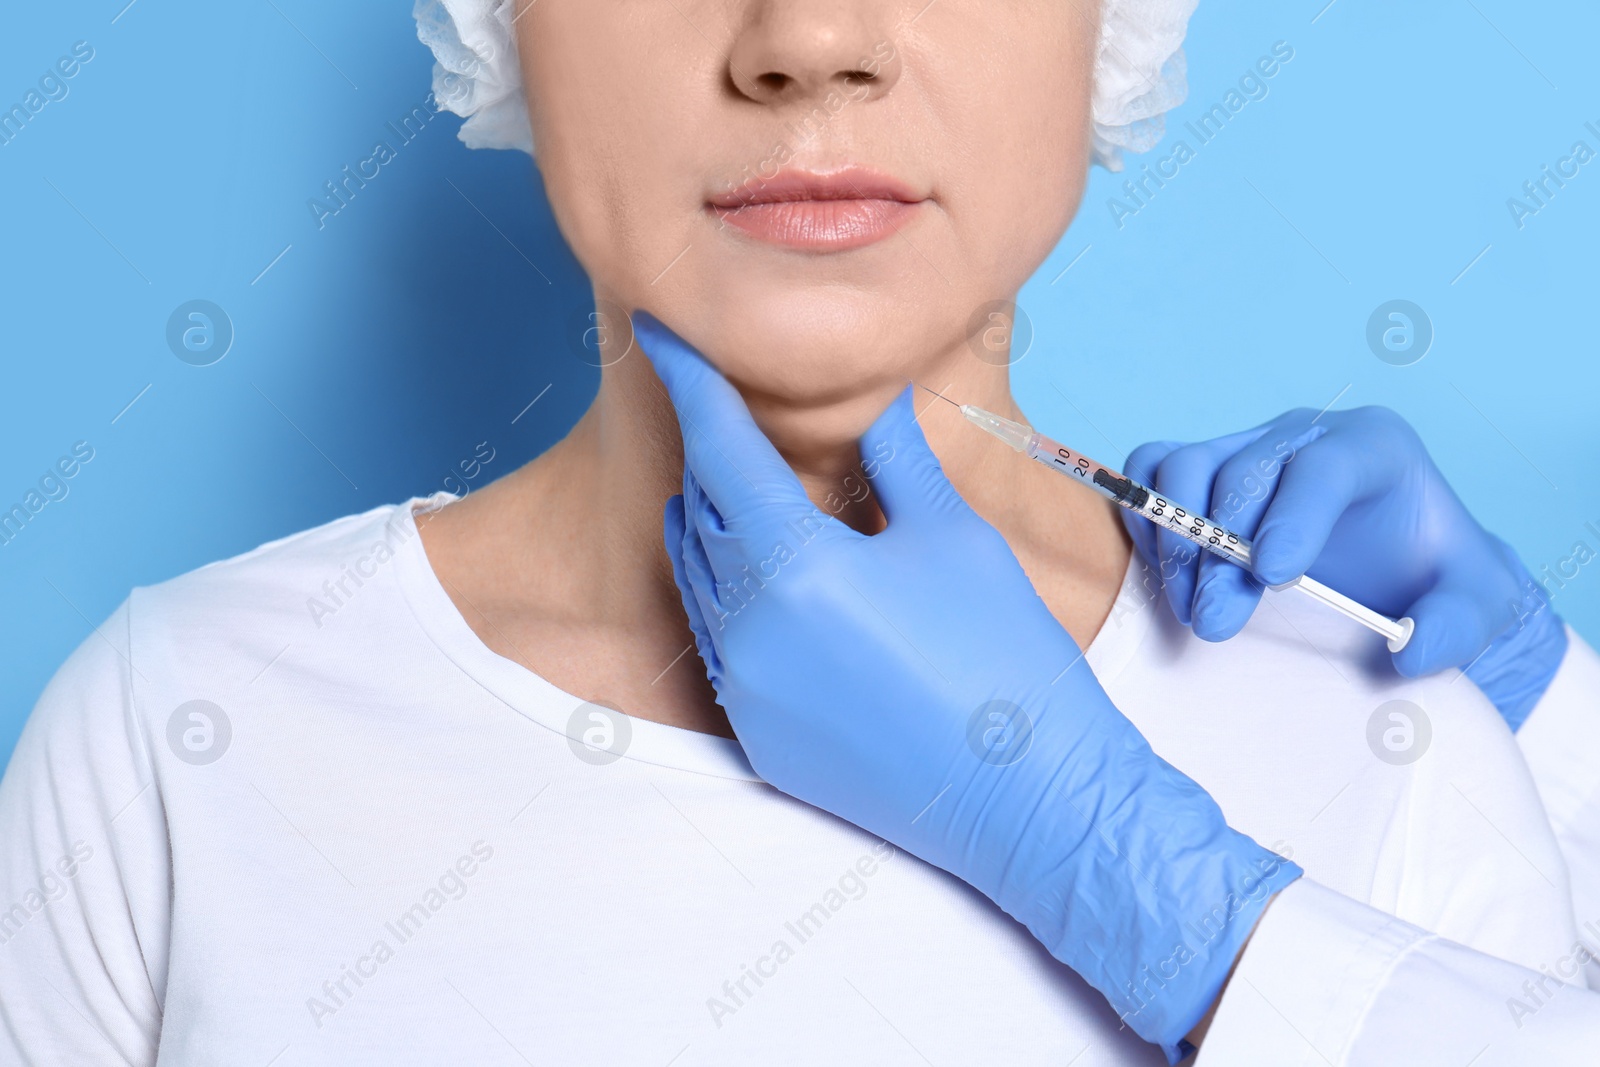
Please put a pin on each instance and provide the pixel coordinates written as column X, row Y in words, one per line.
column 735, row 462
column 905, row 473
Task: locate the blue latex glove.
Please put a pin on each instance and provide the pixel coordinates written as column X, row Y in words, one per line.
column 1354, row 499
column 912, row 682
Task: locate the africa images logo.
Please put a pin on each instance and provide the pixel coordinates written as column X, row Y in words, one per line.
column 199, row 732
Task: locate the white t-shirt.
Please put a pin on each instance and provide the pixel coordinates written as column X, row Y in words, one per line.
column 287, row 809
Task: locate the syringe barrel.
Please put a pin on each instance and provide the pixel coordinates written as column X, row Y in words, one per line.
column 1109, row 482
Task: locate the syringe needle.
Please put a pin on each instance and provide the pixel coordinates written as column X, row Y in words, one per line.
column 936, row 393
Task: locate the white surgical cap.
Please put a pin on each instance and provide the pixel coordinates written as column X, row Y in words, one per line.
column 1138, row 74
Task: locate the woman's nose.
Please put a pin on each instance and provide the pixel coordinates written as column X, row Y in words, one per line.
column 793, row 50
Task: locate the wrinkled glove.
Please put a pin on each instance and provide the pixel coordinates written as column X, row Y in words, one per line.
column 913, row 682
column 1354, row 499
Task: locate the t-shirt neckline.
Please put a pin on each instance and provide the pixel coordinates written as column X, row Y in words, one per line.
column 547, row 705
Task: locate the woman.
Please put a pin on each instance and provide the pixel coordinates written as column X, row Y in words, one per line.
column 446, row 780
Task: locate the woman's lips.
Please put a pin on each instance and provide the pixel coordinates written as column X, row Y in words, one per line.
column 822, row 225
column 819, row 212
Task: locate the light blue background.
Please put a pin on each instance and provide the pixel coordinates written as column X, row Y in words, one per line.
column 379, row 350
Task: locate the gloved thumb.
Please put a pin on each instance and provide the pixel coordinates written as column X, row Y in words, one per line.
column 905, row 473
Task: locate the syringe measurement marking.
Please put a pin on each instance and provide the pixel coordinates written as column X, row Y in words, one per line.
column 1136, row 498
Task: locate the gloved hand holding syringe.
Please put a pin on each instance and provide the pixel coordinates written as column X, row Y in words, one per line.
column 1145, row 502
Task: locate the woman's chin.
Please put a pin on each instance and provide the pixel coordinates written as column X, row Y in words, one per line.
column 823, row 374
column 820, row 352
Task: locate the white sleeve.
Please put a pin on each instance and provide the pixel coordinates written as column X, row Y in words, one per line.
column 84, row 871
column 1330, row 982
column 1561, row 742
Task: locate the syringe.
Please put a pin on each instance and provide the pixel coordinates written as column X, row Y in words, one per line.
column 1145, row 502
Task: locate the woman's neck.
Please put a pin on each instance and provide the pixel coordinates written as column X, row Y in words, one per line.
column 561, row 565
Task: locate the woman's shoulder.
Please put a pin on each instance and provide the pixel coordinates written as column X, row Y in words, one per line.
column 277, row 570
column 240, row 614
column 124, row 734
column 226, row 624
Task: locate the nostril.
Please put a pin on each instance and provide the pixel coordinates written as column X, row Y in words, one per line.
column 774, row 82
